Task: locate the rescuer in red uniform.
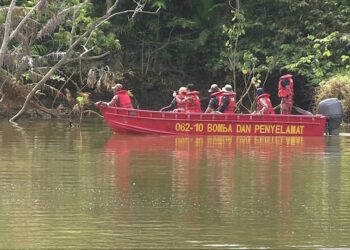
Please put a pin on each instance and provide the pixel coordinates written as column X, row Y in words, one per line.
column 121, row 98
column 264, row 105
column 286, row 91
column 215, row 94
column 181, row 100
column 227, row 101
column 179, row 103
column 193, row 103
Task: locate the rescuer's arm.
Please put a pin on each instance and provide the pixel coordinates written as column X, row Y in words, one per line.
column 114, row 101
column 264, row 107
column 225, row 103
column 212, row 106
column 170, row 107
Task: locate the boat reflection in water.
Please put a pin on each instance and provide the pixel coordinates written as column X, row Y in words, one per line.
column 242, row 185
column 218, row 165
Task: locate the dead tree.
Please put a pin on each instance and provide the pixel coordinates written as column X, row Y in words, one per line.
column 69, row 55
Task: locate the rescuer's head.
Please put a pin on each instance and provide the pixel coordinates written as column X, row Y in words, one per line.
column 227, row 88
column 117, row 87
column 190, row 87
column 183, row 91
column 259, row 91
column 283, row 71
column 214, row 88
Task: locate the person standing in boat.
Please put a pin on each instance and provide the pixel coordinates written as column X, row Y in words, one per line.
column 121, row 97
column 264, row 105
column 179, row 103
column 227, row 101
column 215, row 94
column 286, row 91
column 194, row 102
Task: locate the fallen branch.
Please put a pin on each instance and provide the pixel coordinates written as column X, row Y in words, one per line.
column 92, row 112
column 89, row 58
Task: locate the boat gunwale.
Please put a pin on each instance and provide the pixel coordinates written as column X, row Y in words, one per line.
column 168, row 116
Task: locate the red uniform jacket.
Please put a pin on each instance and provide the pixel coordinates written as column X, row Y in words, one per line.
column 193, row 104
column 232, row 104
column 286, row 91
column 122, row 99
column 265, row 98
column 181, row 103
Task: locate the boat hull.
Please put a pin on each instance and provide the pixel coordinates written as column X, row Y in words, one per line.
column 171, row 123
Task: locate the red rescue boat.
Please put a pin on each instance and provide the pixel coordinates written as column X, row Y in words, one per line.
column 172, row 123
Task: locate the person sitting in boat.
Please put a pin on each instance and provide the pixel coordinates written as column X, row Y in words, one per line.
column 193, row 103
column 227, row 101
column 121, row 97
column 286, row 91
column 179, row 103
column 264, row 105
column 215, row 94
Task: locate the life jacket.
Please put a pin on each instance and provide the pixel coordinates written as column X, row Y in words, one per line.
column 266, row 97
column 124, row 100
column 181, row 104
column 232, row 104
column 193, row 105
column 289, row 89
column 218, row 96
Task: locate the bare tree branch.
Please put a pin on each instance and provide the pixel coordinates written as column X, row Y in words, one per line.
column 89, row 58
column 6, row 38
column 58, row 19
column 110, row 10
column 24, row 20
column 109, row 14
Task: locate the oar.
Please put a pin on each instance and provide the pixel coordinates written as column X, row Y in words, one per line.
column 277, row 107
column 299, row 110
column 302, row 111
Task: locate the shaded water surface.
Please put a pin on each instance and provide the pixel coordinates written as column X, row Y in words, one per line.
column 84, row 187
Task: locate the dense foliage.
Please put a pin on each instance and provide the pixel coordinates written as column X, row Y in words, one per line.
column 200, row 41
column 236, row 42
column 337, row 86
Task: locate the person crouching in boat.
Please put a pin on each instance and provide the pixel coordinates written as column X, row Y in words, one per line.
column 121, row 97
column 179, row 103
column 215, row 94
column 193, row 102
column 264, row 105
column 227, row 103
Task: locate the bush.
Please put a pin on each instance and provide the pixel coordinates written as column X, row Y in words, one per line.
column 337, row 86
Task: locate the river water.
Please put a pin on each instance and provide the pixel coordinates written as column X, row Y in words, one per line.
column 83, row 187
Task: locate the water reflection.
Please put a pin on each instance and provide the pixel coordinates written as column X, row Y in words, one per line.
column 245, row 183
column 198, row 160
column 82, row 187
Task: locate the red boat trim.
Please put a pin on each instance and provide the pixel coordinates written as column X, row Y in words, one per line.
column 141, row 130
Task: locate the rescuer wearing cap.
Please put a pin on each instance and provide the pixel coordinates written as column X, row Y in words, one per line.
column 215, row 94
column 121, row 97
column 227, row 101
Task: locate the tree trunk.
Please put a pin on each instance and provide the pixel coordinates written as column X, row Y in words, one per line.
column 6, row 38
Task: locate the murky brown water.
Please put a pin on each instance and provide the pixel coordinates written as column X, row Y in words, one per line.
column 83, row 187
